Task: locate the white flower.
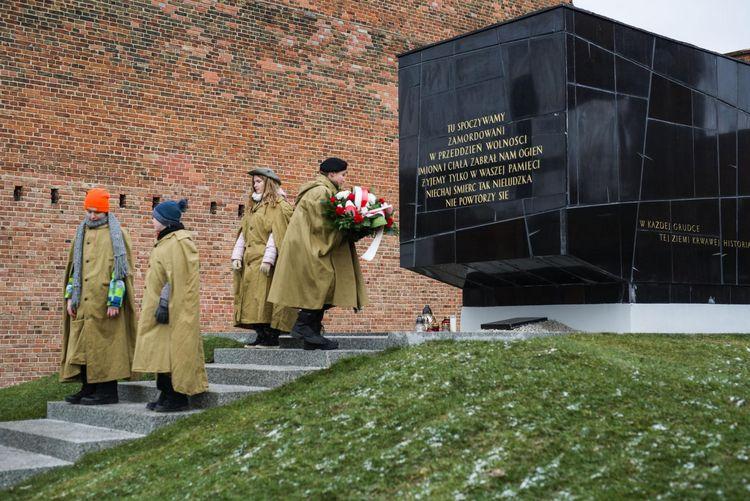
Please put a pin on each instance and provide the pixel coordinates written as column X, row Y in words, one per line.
column 349, row 203
column 371, row 199
column 342, row 194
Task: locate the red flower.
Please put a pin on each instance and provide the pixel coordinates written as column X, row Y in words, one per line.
column 339, row 210
column 381, row 200
column 358, row 218
column 389, row 222
column 333, row 200
column 351, row 196
column 364, row 202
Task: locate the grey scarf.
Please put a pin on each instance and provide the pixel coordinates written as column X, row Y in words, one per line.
column 118, row 249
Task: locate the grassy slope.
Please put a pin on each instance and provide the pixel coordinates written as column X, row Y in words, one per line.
column 29, row 400
column 589, row 416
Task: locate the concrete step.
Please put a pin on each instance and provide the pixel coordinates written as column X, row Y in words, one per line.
column 217, row 394
column 279, row 356
column 255, row 375
column 16, row 465
column 353, row 342
column 60, row 439
column 127, row 416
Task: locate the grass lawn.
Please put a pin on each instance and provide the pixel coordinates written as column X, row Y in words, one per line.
column 591, row 416
column 29, row 400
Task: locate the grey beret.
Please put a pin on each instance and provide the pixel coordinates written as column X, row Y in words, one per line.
column 266, row 172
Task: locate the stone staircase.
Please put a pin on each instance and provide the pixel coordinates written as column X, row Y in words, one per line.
column 70, row 431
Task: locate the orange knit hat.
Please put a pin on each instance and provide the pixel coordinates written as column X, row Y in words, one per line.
column 97, row 199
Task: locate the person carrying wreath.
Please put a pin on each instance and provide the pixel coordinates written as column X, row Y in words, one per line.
column 98, row 324
column 169, row 337
column 261, row 233
column 318, row 267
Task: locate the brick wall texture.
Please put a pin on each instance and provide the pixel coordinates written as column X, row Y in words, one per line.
column 177, row 98
column 742, row 55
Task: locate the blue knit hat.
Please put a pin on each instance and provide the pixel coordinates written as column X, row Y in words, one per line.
column 169, row 213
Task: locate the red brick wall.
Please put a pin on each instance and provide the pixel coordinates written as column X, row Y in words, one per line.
column 742, row 55
column 180, row 98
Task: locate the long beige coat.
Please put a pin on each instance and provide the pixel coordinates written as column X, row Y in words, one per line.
column 250, row 285
column 175, row 347
column 104, row 345
column 316, row 265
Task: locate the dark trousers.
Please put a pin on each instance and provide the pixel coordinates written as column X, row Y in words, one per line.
column 108, row 388
column 164, row 384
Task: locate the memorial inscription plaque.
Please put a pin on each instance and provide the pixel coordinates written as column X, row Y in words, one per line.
column 566, row 158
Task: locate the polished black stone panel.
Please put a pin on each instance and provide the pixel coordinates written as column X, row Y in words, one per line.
column 573, row 154
column 483, row 38
column 440, row 249
column 435, row 112
column 472, row 100
column 478, row 65
column 704, row 111
column 706, row 161
column 544, row 234
column 729, row 234
column 505, row 240
column 631, row 115
column 727, row 150
column 595, row 29
column 634, row 45
column 437, row 76
column 670, row 101
column 407, row 255
column 594, row 67
column 743, row 238
column 653, row 258
column 594, row 236
column 432, row 223
column 727, row 79
column 408, row 98
column 567, row 158
column 693, row 67
column 532, row 26
column 535, row 76
column 597, row 147
column 743, row 155
column 668, row 166
column 631, row 78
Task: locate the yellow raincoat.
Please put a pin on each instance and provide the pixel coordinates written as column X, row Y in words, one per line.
column 176, row 347
column 250, row 285
column 104, row 345
column 316, row 265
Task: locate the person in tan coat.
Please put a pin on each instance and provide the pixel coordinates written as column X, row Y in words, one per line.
column 98, row 324
column 169, row 338
column 318, row 267
column 261, row 233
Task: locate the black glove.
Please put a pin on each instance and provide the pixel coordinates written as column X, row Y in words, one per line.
column 162, row 312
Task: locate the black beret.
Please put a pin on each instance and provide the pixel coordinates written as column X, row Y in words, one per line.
column 332, row 164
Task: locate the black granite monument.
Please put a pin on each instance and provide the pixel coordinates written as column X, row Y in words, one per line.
column 565, row 158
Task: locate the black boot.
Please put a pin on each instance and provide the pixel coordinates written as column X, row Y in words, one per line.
column 177, row 402
column 260, row 336
column 272, row 338
column 172, row 401
column 87, row 389
column 159, row 401
column 106, row 393
column 307, row 325
column 163, row 383
column 317, row 341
